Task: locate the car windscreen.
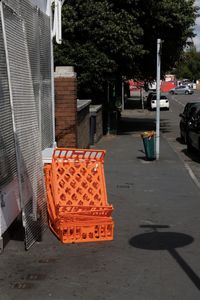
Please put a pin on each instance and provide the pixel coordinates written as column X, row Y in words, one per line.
column 161, row 97
column 188, row 110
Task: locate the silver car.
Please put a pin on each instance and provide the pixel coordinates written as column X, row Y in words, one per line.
column 182, row 89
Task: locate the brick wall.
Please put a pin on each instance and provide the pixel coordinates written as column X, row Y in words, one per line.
column 65, row 109
column 72, row 117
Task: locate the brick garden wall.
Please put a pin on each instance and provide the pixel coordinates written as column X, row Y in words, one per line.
column 72, row 116
column 65, row 111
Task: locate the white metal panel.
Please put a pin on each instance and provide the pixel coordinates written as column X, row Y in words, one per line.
column 30, row 57
column 25, row 124
column 10, row 204
column 41, row 4
column 9, row 189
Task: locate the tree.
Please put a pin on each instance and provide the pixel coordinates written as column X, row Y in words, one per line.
column 170, row 20
column 107, row 39
column 99, row 42
column 189, row 65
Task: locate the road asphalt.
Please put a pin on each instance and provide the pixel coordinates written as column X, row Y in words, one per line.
column 155, row 253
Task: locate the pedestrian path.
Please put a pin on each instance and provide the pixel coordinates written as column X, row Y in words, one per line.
column 155, row 252
column 157, row 208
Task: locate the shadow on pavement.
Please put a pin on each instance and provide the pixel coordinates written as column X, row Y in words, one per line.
column 15, row 232
column 134, row 124
column 134, row 103
column 180, row 141
column 193, row 155
column 165, row 126
column 128, row 125
column 134, row 120
column 169, row 241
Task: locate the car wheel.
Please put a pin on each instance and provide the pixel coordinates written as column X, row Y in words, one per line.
column 182, row 139
column 186, row 92
column 189, row 145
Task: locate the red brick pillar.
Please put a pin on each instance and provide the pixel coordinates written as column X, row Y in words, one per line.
column 66, row 107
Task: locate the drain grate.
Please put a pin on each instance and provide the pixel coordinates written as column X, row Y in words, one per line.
column 35, row 277
column 123, row 186
column 22, row 285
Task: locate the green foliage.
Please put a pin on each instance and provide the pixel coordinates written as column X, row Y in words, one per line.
column 99, row 42
column 189, row 65
column 105, row 39
column 170, row 20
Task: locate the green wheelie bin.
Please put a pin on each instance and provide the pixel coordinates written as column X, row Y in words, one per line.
column 148, row 138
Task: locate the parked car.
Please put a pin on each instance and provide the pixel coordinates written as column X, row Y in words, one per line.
column 189, row 83
column 192, row 85
column 149, row 97
column 182, row 89
column 189, row 111
column 193, row 133
column 152, row 86
column 164, row 102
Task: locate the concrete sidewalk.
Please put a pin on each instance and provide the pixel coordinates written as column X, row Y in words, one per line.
column 155, row 253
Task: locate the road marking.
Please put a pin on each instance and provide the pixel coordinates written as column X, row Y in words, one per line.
column 188, row 168
column 178, row 102
column 191, row 173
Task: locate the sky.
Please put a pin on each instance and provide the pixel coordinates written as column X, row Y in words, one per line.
column 197, row 30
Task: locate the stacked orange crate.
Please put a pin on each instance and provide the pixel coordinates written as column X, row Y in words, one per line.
column 77, row 199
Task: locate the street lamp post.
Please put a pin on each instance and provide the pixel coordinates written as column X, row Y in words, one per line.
column 158, row 99
column 108, row 105
column 122, row 93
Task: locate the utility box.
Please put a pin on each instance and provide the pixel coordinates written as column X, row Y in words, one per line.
column 96, row 123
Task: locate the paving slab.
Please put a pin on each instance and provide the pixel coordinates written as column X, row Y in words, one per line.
column 155, row 252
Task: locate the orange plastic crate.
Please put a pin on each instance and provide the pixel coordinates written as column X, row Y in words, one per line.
column 62, row 210
column 77, row 199
column 78, row 177
column 82, row 232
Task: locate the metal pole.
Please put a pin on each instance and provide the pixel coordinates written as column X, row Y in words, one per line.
column 122, row 94
column 141, row 97
column 52, row 83
column 108, row 101
column 158, row 100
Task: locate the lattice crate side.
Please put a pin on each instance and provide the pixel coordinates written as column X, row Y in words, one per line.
column 78, row 218
column 65, row 211
column 102, row 211
column 68, row 153
column 82, row 232
column 50, row 199
column 66, row 169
